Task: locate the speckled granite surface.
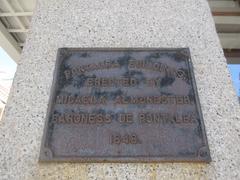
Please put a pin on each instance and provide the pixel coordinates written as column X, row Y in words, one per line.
column 119, row 23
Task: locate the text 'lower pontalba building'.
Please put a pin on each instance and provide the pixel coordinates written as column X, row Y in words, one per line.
column 125, row 90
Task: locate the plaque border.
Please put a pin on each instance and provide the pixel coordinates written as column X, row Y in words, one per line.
column 46, row 154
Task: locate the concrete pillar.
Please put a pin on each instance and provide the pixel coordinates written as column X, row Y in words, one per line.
column 119, row 23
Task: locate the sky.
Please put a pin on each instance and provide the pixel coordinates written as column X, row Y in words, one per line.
column 7, row 71
column 235, row 74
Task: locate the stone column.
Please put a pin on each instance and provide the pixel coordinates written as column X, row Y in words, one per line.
column 119, row 23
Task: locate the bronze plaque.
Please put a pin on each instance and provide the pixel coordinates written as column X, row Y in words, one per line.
column 124, row 105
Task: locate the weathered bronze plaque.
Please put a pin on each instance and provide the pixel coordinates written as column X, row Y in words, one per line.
column 124, row 105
